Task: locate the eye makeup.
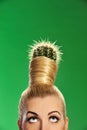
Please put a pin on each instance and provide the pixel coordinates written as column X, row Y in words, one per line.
column 32, row 119
column 54, row 118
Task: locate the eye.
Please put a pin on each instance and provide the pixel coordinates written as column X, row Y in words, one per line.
column 54, row 119
column 32, row 119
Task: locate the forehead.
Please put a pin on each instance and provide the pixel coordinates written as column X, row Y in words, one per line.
column 45, row 104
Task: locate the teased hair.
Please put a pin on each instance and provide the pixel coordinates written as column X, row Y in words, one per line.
column 43, row 67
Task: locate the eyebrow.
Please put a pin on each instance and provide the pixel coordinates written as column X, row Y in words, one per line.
column 31, row 112
column 54, row 112
column 34, row 113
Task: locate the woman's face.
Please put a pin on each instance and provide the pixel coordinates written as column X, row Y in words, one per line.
column 43, row 114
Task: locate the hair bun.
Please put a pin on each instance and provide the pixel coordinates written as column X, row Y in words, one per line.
column 45, row 57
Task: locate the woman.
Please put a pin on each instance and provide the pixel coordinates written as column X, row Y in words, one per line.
column 42, row 105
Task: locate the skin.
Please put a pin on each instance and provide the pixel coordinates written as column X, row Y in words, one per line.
column 43, row 114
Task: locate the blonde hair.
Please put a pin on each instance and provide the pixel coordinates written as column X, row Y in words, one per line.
column 43, row 67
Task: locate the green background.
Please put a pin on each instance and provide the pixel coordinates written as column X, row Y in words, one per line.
column 21, row 22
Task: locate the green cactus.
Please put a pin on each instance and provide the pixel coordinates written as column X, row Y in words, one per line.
column 47, row 49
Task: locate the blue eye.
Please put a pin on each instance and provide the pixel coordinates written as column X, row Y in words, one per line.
column 54, row 119
column 32, row 119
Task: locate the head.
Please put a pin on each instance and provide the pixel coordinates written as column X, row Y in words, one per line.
column 42, row 109
column 42, row 105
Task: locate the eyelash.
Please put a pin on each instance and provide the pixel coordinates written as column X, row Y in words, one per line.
column 32, row 117
column 53, row 119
